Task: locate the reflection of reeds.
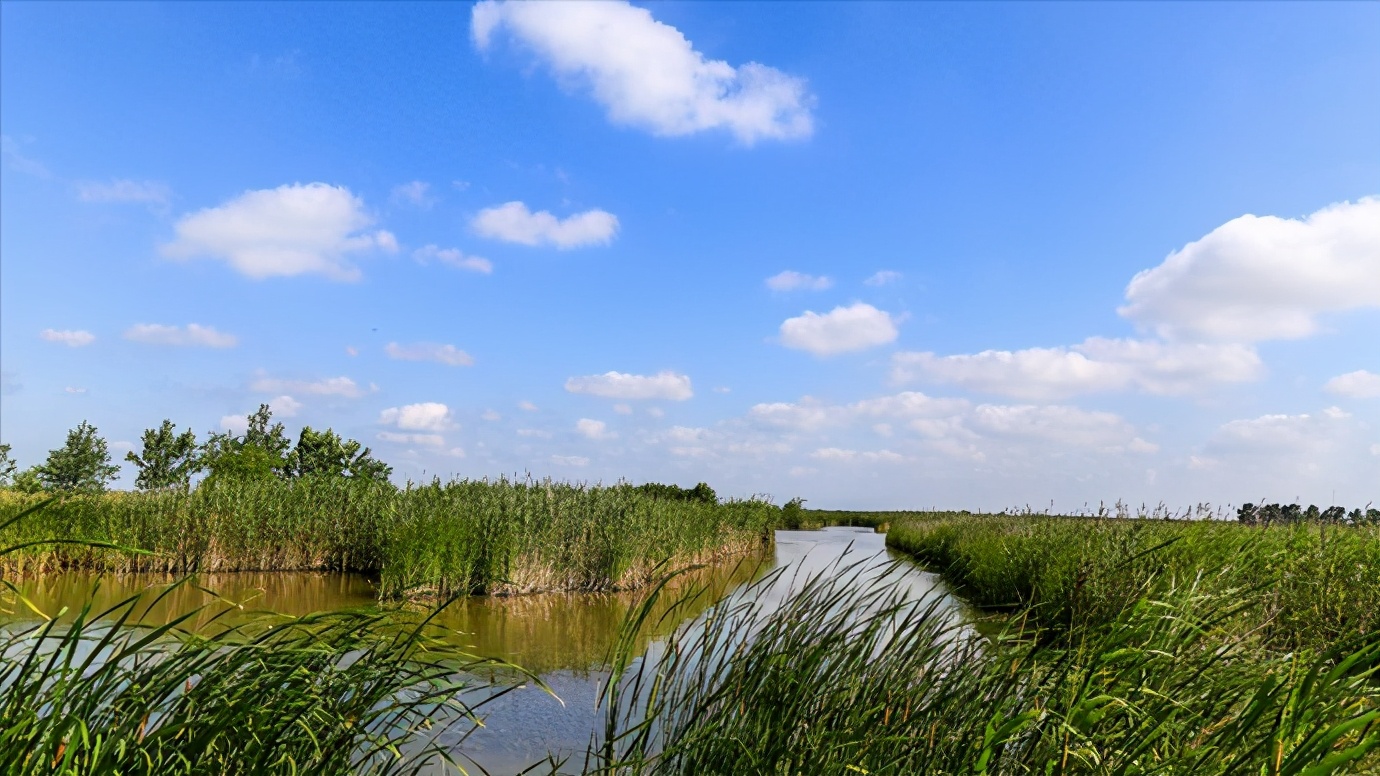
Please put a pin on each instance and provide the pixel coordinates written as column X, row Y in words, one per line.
column 432, row 540
column 346, row 692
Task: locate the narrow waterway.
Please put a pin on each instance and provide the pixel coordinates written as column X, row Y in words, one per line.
column 562, row 637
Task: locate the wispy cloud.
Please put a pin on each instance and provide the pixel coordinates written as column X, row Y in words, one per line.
column 191, row 335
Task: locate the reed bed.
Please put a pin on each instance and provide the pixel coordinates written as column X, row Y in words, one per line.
column 1302, row 586
column 846, row 678
column 423, row 541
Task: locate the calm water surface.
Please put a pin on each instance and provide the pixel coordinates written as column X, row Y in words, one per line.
column 564, row 637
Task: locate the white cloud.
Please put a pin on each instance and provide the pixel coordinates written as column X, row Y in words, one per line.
column 647, row 74
column 429, row 351
column 790, row 280
column 665, row 385
column 73, row 390
column 285, row 406
column 1292, row 433
column 235, row 424
column 1262, row 278
column 1360, row 384
column 294, row 229
column 623, row 409
column 841, row 330
column 351, row 351
column 527, row 406
column 1097, row 365
column 534, row 433
column 810, row 414
column 330, row 386
column 415, row 193
column 491, row 416
column 425, row 416
column 570, row 460
column 191, row 335
column 1055, row 423
column 882, row 277
column 865, row 456
column 723, row 389
column 453, row 257
column 72, row 338
column 425, row 440
column 125, row 191
column 513, row 222
column 593, row 429
column 9, row 149
column 655, row 412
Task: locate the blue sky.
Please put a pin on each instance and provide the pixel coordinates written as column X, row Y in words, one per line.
column 872, row 255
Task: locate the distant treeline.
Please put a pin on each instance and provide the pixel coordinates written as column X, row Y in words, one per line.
column 1288, row 514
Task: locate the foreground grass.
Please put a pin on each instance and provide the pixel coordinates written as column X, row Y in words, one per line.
column 848, row 678
column 433, row 540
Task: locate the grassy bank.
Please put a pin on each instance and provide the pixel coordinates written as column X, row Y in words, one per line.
column 848, row 678
column 435, row 540
column 1300, row 586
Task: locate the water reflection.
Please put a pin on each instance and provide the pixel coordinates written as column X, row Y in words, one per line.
column 564, row 637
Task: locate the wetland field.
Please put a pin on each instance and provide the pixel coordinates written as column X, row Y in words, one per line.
column 533, row 626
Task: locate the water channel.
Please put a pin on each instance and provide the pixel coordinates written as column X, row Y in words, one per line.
column 563, row 637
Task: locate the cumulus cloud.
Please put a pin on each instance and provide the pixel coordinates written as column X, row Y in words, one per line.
column 1360, row 384
column 454, row 258
column 882, row 277
column 429, row 351
column 1263, row 278
column 330, row 386
column 414, row 193
column 790, row 280
column 527, row 406
column 285, row 406
column 1295, row 434
column 1056, row 423
column 842, row 330
column 646, row 73
column 235, row 424
column 72, row 338
column 125, row 191
column 425, row 416
column 810, row 414
column 294, row 229
column 513, row 222
column 1097, row 365
column 191, row 335
column 593, row 429
column 666, row 385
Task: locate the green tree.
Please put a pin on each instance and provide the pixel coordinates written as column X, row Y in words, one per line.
column 325, row 453
column 169, row 459
column 83, row 464
column 27, row 481
column 7, row 466
column 261, row 453
column 793, row 514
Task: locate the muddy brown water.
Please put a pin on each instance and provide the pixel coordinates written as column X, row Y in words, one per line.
column 563, row 637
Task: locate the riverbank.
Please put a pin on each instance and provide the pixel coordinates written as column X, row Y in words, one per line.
column 422, row 542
